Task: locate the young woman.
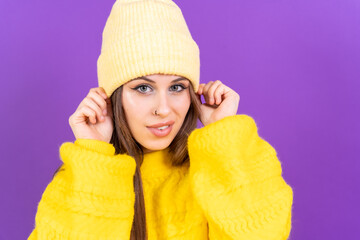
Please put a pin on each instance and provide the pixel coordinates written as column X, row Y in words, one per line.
column 139, row 168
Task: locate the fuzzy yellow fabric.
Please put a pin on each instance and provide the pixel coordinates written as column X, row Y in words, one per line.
column 233, row 189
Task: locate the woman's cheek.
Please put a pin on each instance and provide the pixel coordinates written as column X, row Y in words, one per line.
column 182, row 104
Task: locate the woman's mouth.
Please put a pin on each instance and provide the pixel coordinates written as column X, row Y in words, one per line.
column 161, row 131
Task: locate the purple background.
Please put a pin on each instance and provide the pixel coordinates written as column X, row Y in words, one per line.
column 295, row 64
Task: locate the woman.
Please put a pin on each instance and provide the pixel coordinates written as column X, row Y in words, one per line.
column 139, row 169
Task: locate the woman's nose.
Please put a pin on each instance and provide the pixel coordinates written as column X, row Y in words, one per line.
column 162, row 106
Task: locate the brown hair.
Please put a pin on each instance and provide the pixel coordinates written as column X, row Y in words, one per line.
column 124, row 142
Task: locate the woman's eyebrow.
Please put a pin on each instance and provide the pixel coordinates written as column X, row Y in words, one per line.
column 149, row 80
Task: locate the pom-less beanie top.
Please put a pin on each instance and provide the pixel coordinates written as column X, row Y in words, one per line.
column 144, row 37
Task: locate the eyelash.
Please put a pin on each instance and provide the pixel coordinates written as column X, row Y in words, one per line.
column 145, row 85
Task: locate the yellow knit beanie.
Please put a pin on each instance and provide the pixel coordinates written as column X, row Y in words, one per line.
column 145, row 37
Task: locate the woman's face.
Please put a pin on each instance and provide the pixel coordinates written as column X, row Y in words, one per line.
column 169, row 95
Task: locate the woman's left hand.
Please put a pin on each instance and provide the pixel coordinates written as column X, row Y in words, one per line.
column 220, row 101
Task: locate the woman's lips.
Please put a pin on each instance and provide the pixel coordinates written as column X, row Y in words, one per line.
column 161, row 133
column 162, row 124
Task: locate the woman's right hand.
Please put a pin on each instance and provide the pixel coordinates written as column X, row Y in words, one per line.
column 89, row 120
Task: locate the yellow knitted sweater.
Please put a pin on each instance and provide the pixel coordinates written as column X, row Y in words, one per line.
column 233, row 189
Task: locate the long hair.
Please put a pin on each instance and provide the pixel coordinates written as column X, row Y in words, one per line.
column 124, row 143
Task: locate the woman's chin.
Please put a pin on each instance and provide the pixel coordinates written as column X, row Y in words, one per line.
column 155, row 146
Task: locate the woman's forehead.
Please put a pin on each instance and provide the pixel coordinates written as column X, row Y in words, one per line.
column 161, row 78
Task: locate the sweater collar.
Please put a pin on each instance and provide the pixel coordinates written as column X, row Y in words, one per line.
column 156, row 164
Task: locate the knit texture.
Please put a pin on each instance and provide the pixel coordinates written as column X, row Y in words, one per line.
column 145, row 37
column 233, row 189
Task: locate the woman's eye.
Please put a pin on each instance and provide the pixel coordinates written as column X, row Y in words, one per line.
column 179, row 87
column 142, row 88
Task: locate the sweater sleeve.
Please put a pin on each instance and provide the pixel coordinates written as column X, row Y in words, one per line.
column 91, row 196
column 237, row 180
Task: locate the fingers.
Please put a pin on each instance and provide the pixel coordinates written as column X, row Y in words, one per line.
column 99, row 100
column 101, row 91
column 94, row 105
column 88, row 112
column 219, row 91
column 107, row 99
column 212, row 91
